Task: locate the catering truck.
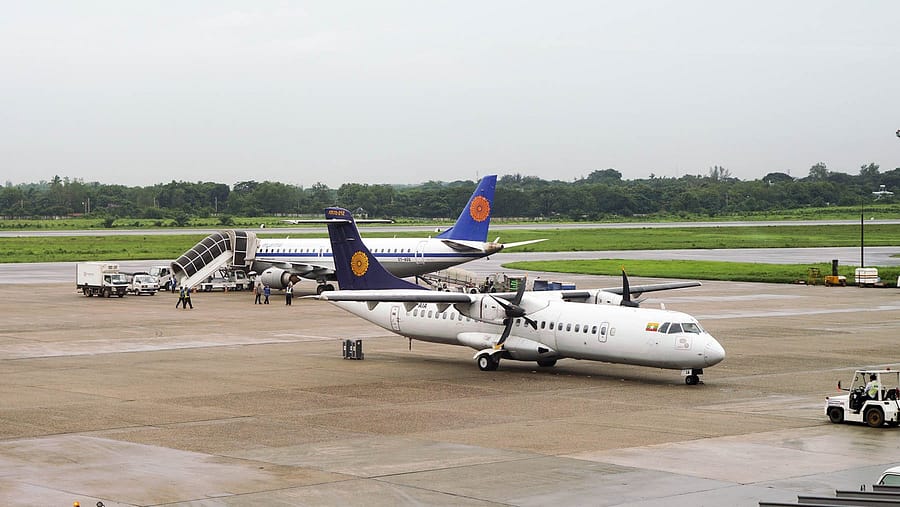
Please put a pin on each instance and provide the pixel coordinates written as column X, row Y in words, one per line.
column 100, row 279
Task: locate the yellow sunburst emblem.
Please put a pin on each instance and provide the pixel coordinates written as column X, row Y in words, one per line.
column 359, row 263
column 480, row 209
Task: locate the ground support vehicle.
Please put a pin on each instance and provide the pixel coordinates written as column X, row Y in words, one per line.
column 867, row 277
column 143, row 283
column 100, row 279
column 226, row 280
column 452, row 280
column 857, row 406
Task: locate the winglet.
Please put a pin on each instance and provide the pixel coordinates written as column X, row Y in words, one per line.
column 475, row 218
column 354, row 265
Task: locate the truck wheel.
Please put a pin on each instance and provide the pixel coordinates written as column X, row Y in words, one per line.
column 836, row 415
column 874, row 417
column 86, row 291
column 107, row 292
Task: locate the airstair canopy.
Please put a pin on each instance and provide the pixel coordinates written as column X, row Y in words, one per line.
column 219, row 249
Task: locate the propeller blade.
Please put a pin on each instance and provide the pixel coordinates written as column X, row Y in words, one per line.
column 505, row 334
column 626, row 292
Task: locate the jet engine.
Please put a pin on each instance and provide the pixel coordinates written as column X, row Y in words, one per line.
column 276, row 278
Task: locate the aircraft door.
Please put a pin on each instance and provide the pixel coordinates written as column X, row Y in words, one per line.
column 603, row 332
column 395, row 318
column 420, row 252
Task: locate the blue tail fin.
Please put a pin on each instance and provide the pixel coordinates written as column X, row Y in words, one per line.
column 354, row 265
column 475, row 218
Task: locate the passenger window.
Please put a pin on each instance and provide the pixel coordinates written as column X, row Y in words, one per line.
column 445, row 315
column 416, row 312
column 585, row 328
column 675, row 328
column 594, row 330
column 568, row 327
column 664, row 327
column 577, row 327
column 429, row 314
column 551, row 326
column 543, row 324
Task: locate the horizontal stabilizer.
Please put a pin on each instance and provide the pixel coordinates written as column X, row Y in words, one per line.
column 397, row 295
column 523, row 243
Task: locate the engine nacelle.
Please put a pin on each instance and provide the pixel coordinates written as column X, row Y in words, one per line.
column 275, row 278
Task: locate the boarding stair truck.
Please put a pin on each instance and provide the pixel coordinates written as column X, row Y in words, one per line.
column 100, row 279
column 857, row 406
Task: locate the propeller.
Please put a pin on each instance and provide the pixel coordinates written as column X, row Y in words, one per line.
column 513, row 311
column 626, row 292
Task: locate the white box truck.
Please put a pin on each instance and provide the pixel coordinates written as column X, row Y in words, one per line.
column 100, row 279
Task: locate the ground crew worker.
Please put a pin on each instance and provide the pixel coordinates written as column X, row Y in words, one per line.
column 288, row 293
column 873, row 387
column 180, row 298
column 257, row 292
column 187, row 299
column 266, row 292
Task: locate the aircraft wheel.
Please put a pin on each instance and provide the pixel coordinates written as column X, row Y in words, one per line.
column 546, row 363
column 328, row 286
column 692, row 380
column 487, row 362
column 874, row 417
column 836, row 415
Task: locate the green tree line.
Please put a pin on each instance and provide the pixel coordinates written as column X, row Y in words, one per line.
column 603, row 194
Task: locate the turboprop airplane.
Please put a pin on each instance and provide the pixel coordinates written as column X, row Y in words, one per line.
column 525, row 326
column 280, row 261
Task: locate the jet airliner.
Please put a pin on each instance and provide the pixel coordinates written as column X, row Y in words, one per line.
column 526, row 326
column 281, row 261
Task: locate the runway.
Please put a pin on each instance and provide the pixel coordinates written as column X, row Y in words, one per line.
column 59, row 272
column 131, row 402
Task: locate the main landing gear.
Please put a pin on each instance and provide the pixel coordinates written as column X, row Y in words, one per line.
column 488, row 362
column 692, row 377
column 322, row 287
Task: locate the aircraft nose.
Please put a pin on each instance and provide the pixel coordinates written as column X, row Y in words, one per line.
column 714, row 353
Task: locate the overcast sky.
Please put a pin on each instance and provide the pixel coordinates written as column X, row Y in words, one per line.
column 139, row 93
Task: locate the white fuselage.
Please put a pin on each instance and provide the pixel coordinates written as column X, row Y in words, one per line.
column 403, row 257
column 608, row 333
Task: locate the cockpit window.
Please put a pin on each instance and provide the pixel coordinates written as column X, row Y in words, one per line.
column 674, row 328
column 690, row 327
column 663, row 328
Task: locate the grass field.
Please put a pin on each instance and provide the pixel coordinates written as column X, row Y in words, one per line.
column 147, row 247
column 703, row 270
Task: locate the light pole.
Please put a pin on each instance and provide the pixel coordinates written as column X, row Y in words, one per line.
column 881, row 192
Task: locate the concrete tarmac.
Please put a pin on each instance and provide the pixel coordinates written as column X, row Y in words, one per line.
column 132, row 402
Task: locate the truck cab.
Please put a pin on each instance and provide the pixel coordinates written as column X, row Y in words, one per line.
column 875, row 406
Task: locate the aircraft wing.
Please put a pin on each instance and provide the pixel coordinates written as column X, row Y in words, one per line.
column 327, row 220
column 640, row 289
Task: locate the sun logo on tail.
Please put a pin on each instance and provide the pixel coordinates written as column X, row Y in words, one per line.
column 359, row 263
column 480, row 209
